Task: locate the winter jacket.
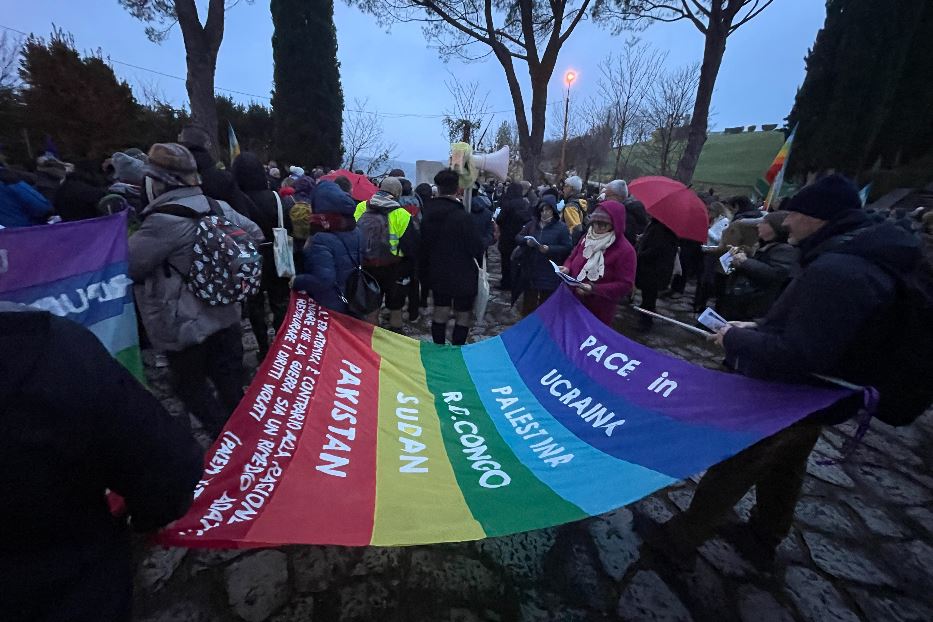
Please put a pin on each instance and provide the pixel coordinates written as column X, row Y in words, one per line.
column 513, row 214
column 159, row 253
column 758, row 281
column 330, row 255
column 449, row 247
column 830, row 319
column 21, row 205
column 657, row 251
column 636, row 219
column 74, row 423
column 251, row 178
column 218, row 184
column 573, row 212
column 619, row 277
column 536, row 271
column 481, row 213
column 77, row 200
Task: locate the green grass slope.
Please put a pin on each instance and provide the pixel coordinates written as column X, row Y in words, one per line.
column 736, row 160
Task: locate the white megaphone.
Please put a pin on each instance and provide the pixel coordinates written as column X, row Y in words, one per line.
column 496, row 163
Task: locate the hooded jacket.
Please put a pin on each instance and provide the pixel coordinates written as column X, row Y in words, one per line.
column 536, row 270
column 218, row 184
column 657, row 251
column 73, row 423
column 251, row 179
column 21, row 205
column 619, row 278
column 173, row 316
column 830, row 319
column 330, row 255
column 404, row 234
column 481, row 213
column 514, row 212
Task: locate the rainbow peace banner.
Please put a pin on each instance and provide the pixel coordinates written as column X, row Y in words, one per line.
column 76, row 270
column 355, row 435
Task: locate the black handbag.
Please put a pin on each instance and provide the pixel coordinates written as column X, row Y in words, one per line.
column 361, row 293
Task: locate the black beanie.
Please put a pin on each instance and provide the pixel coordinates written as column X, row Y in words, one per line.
column 827, row 199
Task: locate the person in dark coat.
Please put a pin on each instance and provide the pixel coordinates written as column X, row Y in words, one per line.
column 756, row 282
column 73, row 424
column 832, row 320
column 535, row 278
column 215, row 183
column 78, row 196
column 636, row 218
column 481, row 213
column 514, row 212
column 251, row 178
column 657, row 251
column 334, row 249
column 449, row 247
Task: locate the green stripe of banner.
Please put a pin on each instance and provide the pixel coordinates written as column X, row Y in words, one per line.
column 133, row 361
column 503, row 495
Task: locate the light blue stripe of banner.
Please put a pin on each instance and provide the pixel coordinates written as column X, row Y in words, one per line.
column 119, row 332
column 594, row 481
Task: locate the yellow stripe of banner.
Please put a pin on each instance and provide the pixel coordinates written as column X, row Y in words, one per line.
column 414, row 478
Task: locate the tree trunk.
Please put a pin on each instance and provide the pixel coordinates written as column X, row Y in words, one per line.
column 713, row 51
column 200, row 85
column 532, row 166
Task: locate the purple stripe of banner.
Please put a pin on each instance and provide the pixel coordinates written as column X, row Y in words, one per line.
column 45, row 253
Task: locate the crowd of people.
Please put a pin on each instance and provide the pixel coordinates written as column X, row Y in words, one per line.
column 804, row 286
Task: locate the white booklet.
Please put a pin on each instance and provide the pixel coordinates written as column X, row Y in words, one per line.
column 712, row 320
column 566, row 278
column 533, row 240
column 726, row 262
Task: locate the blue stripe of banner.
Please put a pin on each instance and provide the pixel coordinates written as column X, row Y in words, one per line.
column 592, row 480
column 81, row 298
column 675, row 448
column 119, row 332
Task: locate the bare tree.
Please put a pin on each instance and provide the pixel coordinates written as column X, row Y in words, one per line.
column 469, row 119
column 528, row 31
column 716, row 20
column 625, row 82
column 668, row 111
column 363, row 138
column 202, row 42
column 10, row 49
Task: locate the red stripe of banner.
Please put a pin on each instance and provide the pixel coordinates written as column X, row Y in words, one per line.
column 328, row 493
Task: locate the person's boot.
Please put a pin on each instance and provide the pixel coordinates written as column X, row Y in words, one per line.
column 460, row 335
column 439, row 332
column 760, row 550
column 395, row 320
column 645, row 323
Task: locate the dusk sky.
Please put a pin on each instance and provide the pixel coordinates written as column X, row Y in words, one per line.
column 399, row 73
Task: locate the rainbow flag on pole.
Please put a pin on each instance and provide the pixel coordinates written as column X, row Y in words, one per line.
column 774, row 176
column 355, row 435
column 76, row 270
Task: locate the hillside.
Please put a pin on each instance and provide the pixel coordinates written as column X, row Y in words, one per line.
column 736, row 160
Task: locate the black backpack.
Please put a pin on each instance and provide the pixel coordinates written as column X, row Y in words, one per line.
column 904, row 376
column 361, row 293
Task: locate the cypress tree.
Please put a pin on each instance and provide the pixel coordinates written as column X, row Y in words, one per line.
column 307, row 101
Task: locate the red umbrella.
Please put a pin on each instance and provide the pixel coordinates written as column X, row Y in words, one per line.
column 674, row 204
column 362, row 190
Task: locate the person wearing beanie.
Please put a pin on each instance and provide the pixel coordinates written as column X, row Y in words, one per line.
column 575, row 205
column 835, row 319
column 757, row 281
column 203, row 342
column 333, row 249
column 390, row 246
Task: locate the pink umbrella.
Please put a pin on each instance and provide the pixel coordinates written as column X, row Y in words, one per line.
column 674, row 204
column 362, row 190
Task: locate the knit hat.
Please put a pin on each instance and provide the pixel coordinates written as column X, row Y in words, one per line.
column 296, row 171
column 828, row 199
column 776, row 220
column 392, row 185
column 172, row 164
column 129, row 168
column 550, row 199
column 574, row 182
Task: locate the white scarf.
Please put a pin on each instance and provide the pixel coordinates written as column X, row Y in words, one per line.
column 594, row 245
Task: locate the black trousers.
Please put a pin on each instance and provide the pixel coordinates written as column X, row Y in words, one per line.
column 775, row 466
column 217, row 361
column 276, row 289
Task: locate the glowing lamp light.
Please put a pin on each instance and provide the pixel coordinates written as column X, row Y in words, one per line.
column 569, row 77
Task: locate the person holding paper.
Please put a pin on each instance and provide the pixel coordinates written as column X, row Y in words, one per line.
column 604, row 261
column 542, row 240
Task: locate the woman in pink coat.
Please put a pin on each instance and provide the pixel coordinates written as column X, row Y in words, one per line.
column 605, row 261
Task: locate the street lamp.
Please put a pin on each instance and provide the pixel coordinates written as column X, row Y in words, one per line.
column 569, row 77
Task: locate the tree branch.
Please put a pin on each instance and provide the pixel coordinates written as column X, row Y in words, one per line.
column 752, row 14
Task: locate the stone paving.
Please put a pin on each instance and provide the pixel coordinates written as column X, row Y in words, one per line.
column 861, row 548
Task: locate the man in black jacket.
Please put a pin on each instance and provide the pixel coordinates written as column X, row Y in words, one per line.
column 74, row 423
column 449, row 247
column 831, row 320
column 215, row 183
